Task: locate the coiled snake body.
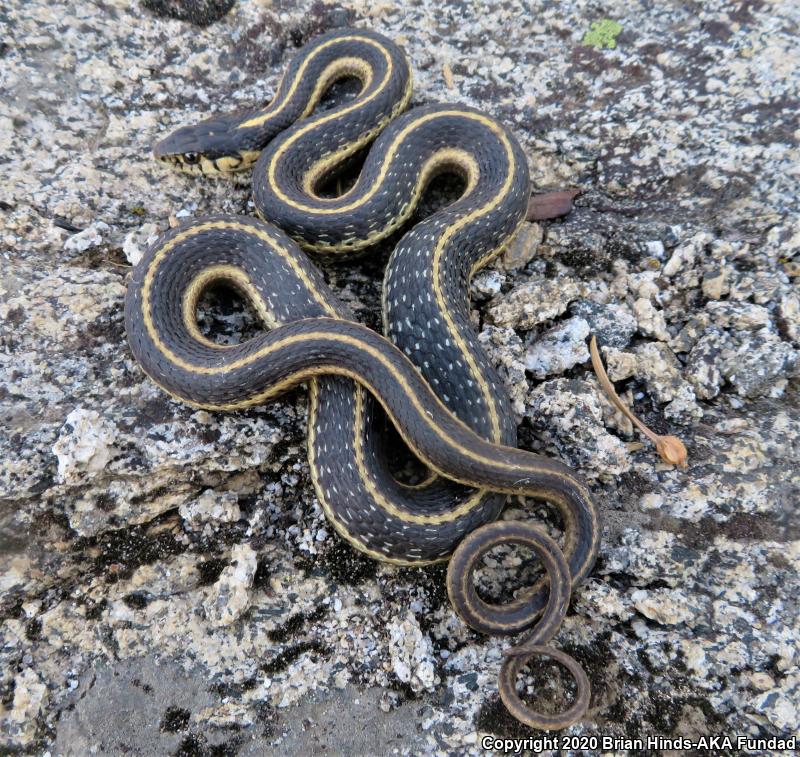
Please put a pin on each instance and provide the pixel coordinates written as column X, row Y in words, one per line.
column 430, row 376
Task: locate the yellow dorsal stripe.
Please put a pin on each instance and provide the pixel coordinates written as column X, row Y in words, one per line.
column 383, row 500
column 269, row 112
column 385, row 164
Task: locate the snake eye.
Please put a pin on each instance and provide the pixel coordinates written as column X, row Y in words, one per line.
column 191, row 158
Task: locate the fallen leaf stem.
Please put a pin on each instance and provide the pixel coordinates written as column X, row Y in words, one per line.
column 671, row 449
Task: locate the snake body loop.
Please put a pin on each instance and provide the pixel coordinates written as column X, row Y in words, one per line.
column 429, row 377
column 230, row 142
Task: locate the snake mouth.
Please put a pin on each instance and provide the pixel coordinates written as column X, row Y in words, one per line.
column 185, row 150
column 189, row 163
column 207, row 162
column 192, row 163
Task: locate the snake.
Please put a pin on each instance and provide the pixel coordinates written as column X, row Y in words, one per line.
column 427, row 375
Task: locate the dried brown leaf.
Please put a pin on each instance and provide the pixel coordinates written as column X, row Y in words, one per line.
column 551, row 204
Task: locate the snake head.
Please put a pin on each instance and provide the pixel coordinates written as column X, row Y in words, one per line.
column 216, row 145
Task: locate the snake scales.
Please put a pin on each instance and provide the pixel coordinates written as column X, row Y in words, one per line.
column 428, row 375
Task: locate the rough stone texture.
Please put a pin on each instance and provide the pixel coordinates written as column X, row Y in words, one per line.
column 532, row 303
column 613, row 325
column 411, row 653
column 523, row 247
column 568, row 416
column 144, row 705
column 211, row 506
column 559, row 349
column 682, row 254
column 230, row 595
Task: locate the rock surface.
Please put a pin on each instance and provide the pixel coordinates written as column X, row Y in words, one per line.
column 168, row 581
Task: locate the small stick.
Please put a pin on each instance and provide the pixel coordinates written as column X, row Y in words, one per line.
column 671, row 449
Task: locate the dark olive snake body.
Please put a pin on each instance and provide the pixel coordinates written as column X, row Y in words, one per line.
column 430, row 376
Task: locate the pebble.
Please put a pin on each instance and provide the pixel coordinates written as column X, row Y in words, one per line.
column 650, row 320
column 85, row 445
column 211, row 507
column 30, row 699
column 411, row 653
column 613, row 324
column 137, row 241
column 559, row 349
column 93, row 236
column 568, row 415
column 523, row 247
column 533, row 303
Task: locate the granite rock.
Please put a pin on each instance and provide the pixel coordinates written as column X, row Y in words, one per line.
column 211, row 507
column 613, row 323
column 568, row 415
column 230, row 595
column 411, row 654
column 533, row 303
column 139, row 536
column 523, row 247
column 559, row 349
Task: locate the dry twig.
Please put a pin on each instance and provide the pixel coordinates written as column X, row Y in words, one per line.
column 670, row 448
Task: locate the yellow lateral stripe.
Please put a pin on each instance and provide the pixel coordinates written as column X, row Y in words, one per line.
column 385, row 164
column 437, row 285
column 233, row 226
column 329, row 511
column 332, row 159
column 284, row 100
column 339, row 68
column 310, row 374
column 237, row 278
column 288, row 341
column 381, row 499
column 310, row 337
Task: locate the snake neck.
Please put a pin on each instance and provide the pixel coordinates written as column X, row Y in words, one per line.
column 231, row 142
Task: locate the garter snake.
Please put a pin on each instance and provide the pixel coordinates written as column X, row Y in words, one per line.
column 429, row 375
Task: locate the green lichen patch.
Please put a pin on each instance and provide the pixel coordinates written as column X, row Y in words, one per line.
column 602, row 34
